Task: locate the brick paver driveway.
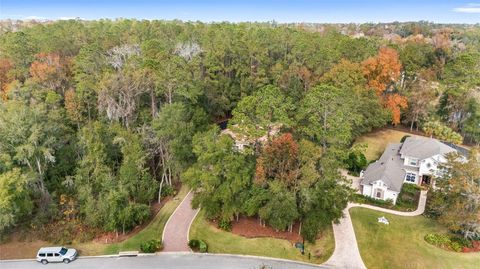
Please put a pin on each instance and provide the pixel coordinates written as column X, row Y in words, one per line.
column 175, row 234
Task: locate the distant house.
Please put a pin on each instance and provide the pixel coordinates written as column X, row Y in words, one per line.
column 242, row 141
column 414, row 161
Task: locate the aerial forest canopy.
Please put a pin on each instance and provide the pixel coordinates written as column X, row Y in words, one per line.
column 101, row 119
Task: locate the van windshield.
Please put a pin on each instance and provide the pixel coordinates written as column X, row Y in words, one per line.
column 63, row 251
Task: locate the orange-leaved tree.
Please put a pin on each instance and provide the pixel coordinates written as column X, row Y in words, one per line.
column 278, row 161
column 5, row 77
column 49, row 70
column 381, row 72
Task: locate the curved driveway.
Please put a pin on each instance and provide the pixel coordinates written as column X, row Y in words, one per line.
column 346, row 253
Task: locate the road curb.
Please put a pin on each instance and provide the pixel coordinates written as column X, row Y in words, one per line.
column 243, row 256
column 190, row 225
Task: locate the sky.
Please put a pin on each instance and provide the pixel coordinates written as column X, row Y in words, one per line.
column 322, row 11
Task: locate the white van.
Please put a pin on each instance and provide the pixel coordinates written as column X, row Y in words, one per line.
column 56, row 254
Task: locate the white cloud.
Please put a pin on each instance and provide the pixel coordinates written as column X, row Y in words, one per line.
column 37, row 18
column 70, row 18
column 469, row 8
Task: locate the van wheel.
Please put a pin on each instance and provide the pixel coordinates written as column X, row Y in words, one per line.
column 44, row 261
column 66, row 261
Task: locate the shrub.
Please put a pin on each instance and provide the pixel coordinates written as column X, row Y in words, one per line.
column 462, row 241
column 362, row 199
column 194, row 244
column 203, row 248
column 456, row 246
column 151, row 246
column 408, row 197
column 440, row 240
column 225, row 225
column 355, row 162
column 198, row 245
column 167, row 191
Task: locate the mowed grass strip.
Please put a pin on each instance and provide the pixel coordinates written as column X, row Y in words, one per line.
column 153, row 231
column 220, row 241
column 401, row 245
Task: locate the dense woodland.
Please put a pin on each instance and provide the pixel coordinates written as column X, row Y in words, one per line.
column 101, row 119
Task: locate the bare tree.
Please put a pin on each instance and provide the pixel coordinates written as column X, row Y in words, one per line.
column 118, row 56
column 188, row 50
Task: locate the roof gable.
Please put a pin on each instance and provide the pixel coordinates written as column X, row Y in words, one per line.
column 423, row 148
column 388, row 169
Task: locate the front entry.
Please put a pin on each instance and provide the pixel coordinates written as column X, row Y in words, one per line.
column 426, row 180
column 379, row 193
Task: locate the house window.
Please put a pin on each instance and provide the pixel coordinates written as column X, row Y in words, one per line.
column 410, row 177
column 413, row 162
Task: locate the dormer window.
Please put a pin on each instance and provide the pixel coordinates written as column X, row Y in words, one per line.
column 413, row 161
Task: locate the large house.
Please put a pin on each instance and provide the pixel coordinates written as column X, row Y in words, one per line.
column 415, row 161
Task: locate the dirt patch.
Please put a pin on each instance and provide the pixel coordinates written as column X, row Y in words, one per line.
column 250, row 227
column 20, row 250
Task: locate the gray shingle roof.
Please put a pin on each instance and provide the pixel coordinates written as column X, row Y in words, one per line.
column 422, row 147
column 389, row 169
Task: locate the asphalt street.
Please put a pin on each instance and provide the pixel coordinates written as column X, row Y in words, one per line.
column 165, row 260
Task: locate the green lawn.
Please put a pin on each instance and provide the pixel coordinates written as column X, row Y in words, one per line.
column 378, row 140
column 401, row 244
column 224, row 242
column 153, row 231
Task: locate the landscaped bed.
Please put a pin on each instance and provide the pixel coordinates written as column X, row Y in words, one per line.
column 401, row 244
column 453, row 242
column 220, row 241
column 250, row 227
column 407, row 199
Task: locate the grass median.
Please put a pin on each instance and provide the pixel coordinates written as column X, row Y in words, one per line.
column 220, row 241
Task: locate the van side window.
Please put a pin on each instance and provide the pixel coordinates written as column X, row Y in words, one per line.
column 49, row 254
column 57, row 255
column 41, row 254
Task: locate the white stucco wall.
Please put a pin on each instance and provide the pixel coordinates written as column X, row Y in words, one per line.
column 393, row 195
column 369, row 190
column 429, row 166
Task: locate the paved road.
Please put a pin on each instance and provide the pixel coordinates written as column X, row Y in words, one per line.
column 167, row 261
column 346, row 253
column 175, row 234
